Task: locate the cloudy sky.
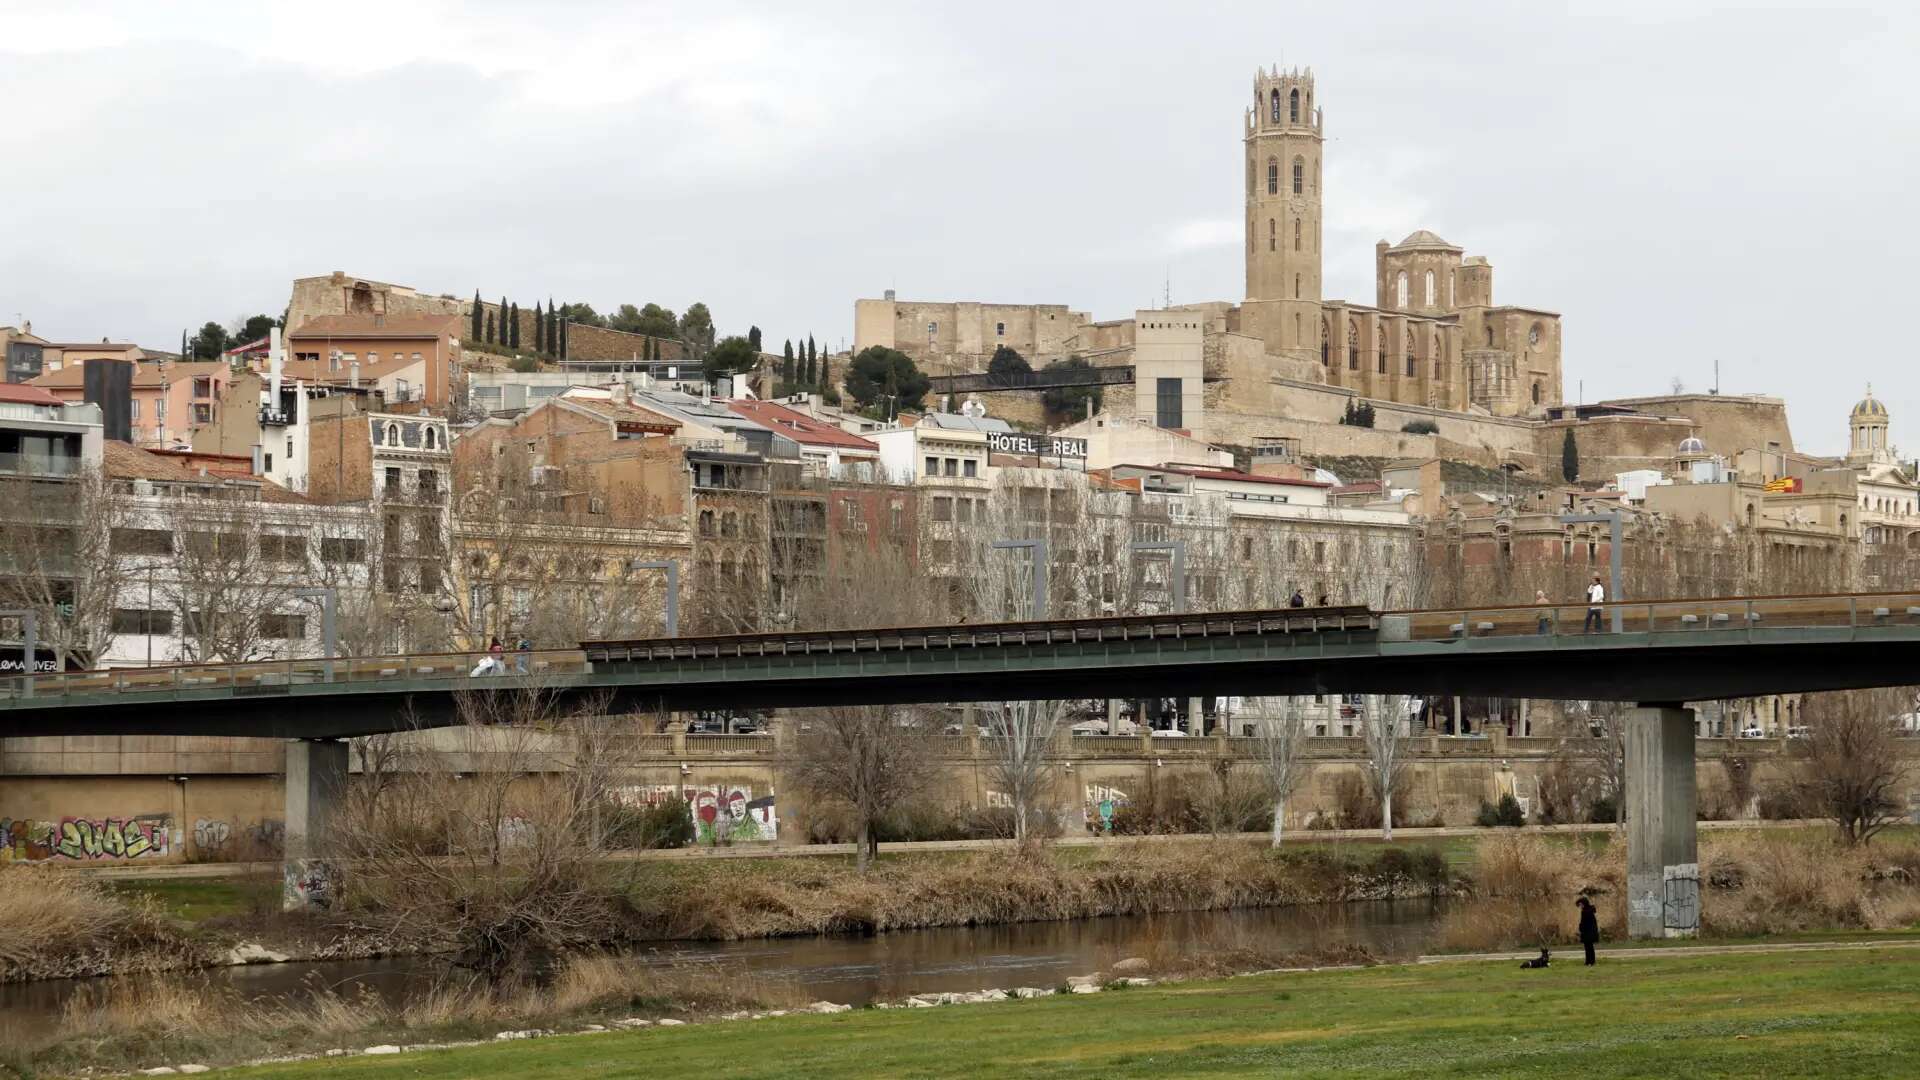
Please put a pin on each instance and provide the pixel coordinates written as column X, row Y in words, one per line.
column 1684, row 183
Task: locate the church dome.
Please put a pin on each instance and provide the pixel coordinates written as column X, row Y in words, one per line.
column 1869, row 406
column 1692, row 445
column 1423, row 239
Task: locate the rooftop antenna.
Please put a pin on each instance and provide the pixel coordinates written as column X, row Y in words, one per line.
column 1716, row 376
column 1169, row 287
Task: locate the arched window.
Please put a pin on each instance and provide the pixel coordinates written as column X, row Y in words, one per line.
column 1293, row 106
column 1402, row 293
column 1429, row 300
column 429, row 439
column 1439, row 358
column 393, row 434
column 1296, row 286
column 1276, row 105
column 1273, row 176
column 1489, row 335
column 999, row 329
column 1299, row 175
column 1326, row 342
column 1536, row 393
column 1353, row 346
column 1272, row 236
column 1409, row 356
column 1296, row 234
column 1381, row 363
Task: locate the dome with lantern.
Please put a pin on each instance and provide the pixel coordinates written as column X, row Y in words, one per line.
column 1692, row 446
column 1869, row 406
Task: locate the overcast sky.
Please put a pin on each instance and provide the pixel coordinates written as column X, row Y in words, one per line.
column 1683, row 183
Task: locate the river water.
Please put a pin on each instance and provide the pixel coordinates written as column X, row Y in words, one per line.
column 881, row 967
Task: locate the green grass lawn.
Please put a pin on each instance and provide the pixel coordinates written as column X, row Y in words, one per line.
column 199, row 899
column 1843, row 1013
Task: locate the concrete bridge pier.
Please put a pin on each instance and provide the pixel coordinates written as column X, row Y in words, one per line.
column 1663, row 862
column 316, row 782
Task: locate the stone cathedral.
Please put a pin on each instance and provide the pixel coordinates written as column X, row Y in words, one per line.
column 1433, row 335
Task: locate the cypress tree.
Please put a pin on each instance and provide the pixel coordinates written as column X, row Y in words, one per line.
column 786, row 362
column 563, row 338
column 513, row 328
column 539, row 330
column 476, row 315
column 1570, row 458
column 503, row 320
column 489, row 327
column 753, row 337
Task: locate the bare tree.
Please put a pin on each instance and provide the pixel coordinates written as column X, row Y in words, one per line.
column 1021, row 736
column 57, row 560
column 869, row 759
column 1385, row 743
column 1853, row 768
column 224, row 580
column 480, row 839
column 1281, row 738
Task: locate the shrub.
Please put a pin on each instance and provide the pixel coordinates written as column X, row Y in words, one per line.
column 664, row 824
column 1504, row 814
column 1782, row 803
column 1606, row 811
column 1420, row 427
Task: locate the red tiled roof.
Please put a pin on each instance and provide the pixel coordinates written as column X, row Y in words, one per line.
column 145, row 376
column 1229, row 475
column 800, row 427
column 23, row 394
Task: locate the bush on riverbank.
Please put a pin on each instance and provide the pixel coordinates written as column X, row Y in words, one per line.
column 1751, row 884
column 61, row 924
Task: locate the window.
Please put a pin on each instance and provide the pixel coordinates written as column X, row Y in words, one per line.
column 1429, row 300
column 1167, row 412
column 159, row 410
column 1533, row 334
column 899, row 514
column 1536, row 393
column 283, row 627
column 1409, row 356
column 970, row 468
column 942, row 508
column 1293, row 106
column 1319, row 553
column 283, row 549
column 953, row 466
column 134, row 410
column 393, row 434
column 1353, row 346
column 428, row 480
column 1296, row 286
column 1381, row 364
column 999, row 329
column 342, row 550
column 1299, row 175
column 933, row 466
column 202, row 413
column 1275, row 96
column 1273, row 176
column 1489, row 337
column 1401, row 302
column 933, row 328
column 1272, row 236
column 393, row 480
column 849, row 513
column 142, row 542
column 963, row 510
column 430, row 434
column 400, row 389
column 1296, row 234
column 142, row 621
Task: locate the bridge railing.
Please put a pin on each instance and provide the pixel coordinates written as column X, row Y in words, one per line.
column 266, row 678
column 1657, row 618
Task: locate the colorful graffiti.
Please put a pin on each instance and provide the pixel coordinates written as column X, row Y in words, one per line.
column 214, row 837
column 1102, row 803
column 142, row 836
column 307, row 884
column 729, row 812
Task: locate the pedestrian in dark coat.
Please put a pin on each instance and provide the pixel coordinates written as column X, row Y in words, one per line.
column 1589, row 928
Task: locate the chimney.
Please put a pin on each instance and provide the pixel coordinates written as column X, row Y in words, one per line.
column 274, row 361
column 353, row 374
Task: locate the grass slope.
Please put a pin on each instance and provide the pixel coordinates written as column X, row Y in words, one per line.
column 1846, row 1013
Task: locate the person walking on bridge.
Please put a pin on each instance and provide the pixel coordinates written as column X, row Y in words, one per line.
column 1545, row 623
column 1589, row 928
column 1596, row 595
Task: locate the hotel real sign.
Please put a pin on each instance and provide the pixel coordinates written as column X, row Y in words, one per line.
column 1017, row 442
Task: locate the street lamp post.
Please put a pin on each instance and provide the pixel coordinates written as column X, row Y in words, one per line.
column 29, row 648
column 1038, row 550
column 672, row 570
column 328, row 639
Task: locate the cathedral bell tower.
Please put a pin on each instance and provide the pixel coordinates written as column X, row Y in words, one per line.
column 1283, row 140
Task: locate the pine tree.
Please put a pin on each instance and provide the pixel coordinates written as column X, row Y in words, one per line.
column 1570, row 458
column 476, row 314
column 489, row 337
column 513, row 327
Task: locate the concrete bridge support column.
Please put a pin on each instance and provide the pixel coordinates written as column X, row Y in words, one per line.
column 316, row 783
column 1663, row 862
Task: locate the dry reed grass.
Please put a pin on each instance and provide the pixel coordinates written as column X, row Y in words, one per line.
column 1233, row 951
column 79, row 927
column 817, row 896
column 1752, row 884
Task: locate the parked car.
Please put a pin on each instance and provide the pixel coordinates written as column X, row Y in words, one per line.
column 1169, row 733
column 1799, row 731
column 1752, row 731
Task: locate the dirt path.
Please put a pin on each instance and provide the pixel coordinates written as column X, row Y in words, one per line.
column 1646, row 951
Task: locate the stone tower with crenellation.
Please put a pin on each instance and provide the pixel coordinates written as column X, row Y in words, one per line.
column 1284, row 132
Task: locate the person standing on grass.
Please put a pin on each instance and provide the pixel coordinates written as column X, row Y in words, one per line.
column 1596, row 595
column 1589, row 928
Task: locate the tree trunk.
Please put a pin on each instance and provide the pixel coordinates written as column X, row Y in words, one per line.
column 1279, row 819
column 1020, row 824
column 860, row 846
column 1386, row 815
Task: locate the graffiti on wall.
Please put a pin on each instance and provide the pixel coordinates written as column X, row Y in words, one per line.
column 216, row 837
column 730, row 811
column 307, row 885
column 1102, row 802
column 83, row 838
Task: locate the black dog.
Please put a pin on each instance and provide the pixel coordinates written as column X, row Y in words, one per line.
column 1537, row 962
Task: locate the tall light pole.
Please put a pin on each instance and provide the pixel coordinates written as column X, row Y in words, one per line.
column 672, row 570
column 328, row 640
column 1038, row 550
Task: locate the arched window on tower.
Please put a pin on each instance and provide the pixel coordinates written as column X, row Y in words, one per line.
column 1429, row 300
column 1439, row 358
column 1402, row 291
column 1273, row 176
column 1296, row 234
column 1536, row 393
column 1272, row 236
column 1296, row 286
column 1293, row 106
column 1299, row 175
column 1326, row 342
column 1276, row 105
column 1489, row 335
column 1409, row 356
column 1353, row 346
column 1380, row 365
